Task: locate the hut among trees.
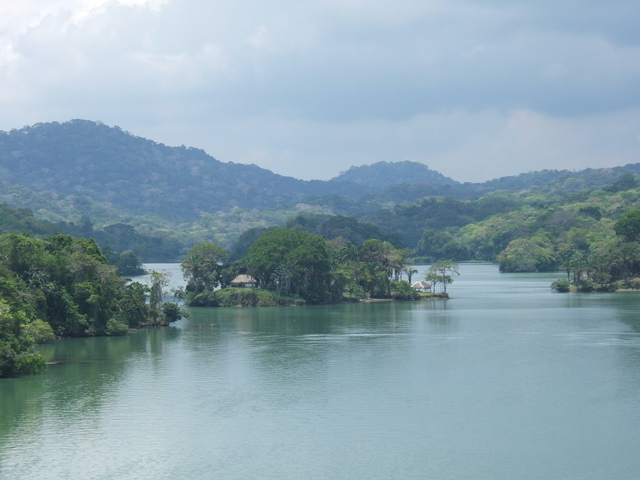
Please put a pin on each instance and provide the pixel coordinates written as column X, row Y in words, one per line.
column 244, row 281
column 422, row 286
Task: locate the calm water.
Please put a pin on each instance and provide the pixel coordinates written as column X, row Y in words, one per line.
column 507, row 380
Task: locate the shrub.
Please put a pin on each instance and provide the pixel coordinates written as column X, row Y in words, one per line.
column 243, row 297
column 402, row 291
column 561, row 285
column 585, row 285
column 116, row 326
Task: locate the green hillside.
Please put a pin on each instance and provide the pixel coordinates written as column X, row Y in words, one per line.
column 128, row 192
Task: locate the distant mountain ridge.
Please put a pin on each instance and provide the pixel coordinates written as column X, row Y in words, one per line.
column 389, row 174
column 81, row 158
column 82, row 170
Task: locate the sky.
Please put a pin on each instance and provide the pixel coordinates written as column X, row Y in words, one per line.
column 475, row 89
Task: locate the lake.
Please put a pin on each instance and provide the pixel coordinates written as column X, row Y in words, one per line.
column 506, row 380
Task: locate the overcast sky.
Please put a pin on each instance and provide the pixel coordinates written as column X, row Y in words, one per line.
column 476, row 89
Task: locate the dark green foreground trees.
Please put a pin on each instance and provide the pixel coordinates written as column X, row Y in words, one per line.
column 62, row 286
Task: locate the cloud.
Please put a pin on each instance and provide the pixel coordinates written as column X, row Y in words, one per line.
column 310, row 89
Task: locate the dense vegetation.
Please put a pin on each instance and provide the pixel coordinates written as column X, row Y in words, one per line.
column 130, row 193
column 63, row 287
column 82, row 197
column 135, row 196
column 292, row 266
column 18, row 220
column 606, row 264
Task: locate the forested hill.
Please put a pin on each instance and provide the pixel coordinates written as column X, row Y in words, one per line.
column 388, row 174
column 100, row 181
column 88, row 160
column 89, row 168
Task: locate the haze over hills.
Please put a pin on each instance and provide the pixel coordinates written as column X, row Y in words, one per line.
column 82, row 169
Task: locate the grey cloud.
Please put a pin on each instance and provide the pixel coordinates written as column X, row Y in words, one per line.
column 287, row 80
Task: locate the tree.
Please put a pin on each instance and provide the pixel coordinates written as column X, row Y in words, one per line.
column 384, row 262
column 159, row 280
column 67, row 283
column 202, row 267
column 528, row 255
column 628, row 226
column 18, row 337
column 128, row 263
column 442, row 272
column 292, row 262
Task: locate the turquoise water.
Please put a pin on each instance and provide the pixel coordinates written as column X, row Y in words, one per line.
column 507, row 380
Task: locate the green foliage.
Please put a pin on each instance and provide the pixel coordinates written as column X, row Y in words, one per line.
column 292, row 262
column 244, row 297
column 132, row 306
column 401, row 290
column 128, row 263
column 159, row 280
column 627, row 182
column 21, row 220
column 161, row 313
column 124, row 245
column 134, row 194
column 442, row 272
column 528, row 255
column 628, row 226
column 561, row 285
column 171, row 312
column 18, row 337
column 116, row 326
column 438, row 215
column 63, row 285
column 202, row 268
column 339, row 226
column 146, row 200
column 297, row 266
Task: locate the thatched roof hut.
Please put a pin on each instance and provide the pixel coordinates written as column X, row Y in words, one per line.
column 421, row 285
column 244, row 281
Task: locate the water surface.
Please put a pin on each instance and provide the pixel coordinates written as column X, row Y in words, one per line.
column 507, row 380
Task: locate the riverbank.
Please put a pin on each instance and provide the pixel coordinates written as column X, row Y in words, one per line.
column 255, row 297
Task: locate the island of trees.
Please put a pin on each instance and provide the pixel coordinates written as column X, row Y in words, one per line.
column 286, row 266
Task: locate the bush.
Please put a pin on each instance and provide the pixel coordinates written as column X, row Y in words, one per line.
column 171, row 312
column 561, row 285
column 585, row 285
column 243, row 297
column 30, row 363
column 633, row 283
column 116, row 326
column 402, row 291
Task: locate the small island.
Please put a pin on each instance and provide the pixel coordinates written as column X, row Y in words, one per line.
column 285, row 266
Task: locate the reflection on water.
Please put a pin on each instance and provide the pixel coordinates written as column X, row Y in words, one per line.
column 505, row 380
